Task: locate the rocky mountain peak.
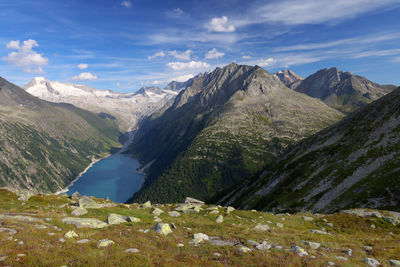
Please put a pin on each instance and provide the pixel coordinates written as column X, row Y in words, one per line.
column 288, row 78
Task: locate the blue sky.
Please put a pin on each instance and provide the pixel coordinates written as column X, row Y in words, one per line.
column 123, row 45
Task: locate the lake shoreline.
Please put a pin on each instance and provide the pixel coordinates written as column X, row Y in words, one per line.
column 94, row 160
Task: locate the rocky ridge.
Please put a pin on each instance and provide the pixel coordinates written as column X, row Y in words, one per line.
column 353, row 163
column 342, row 90
column 41, row 231
column 127, row 108
column 223, row 127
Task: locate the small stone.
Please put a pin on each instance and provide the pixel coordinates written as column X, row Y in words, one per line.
column 87, row 202
column 131, row 250
column 214, row 212
column 47, row 219
column 147, row 204
column 279, row 225
column 261, row 227
column 133, row 219
column 278, row 247
column 20, row 242
column 299, row 250
column 198, row 238
column 307, row 219
column 61, row 240
column 157, row 219
column 70, row 234
column 84, row 222
column 329, row 224
column 3, row 258
column 79, row 211
column 179, row 245
column 341, row 258
column 330, row 263
column 216, row 254
column 254, row 210
column 349, row 252
column 173, row 226
column 145, row 231
column 394, row 263
column 393, row 221
column 319, row 232
column 40, row 226
column 313, row 245
column 229, row 209
column 243, row 249
column 162, row 228
column 113, row 218
column 373, row 226
column 190, row 200
column 220, row 219
column 9, row 230
column 51, row 234
column 371, row 262
column 368, row 248
column 157, row 211
column 104, row 243
column 263, row 246
column 83, row 241
column 174, row 213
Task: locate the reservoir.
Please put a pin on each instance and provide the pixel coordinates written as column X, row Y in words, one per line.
column 114, row 177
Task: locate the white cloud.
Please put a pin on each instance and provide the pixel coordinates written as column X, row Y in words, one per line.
column 188, row 65
column 13, row 45
column 181, row 55
column 294, row 12
column 158, row 54
column 266, row 62
column 213, row 53
column 85, row 76
column 246, row 57
column 83, row 66
column 182, row 78
column 220, row 25
column 126, row 3
column 396, row 59
column 25, row 57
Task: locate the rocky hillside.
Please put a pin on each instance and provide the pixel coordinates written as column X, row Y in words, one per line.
column 354, row 163
column 342, row 90
column 128, row 108
column 289, row 78
column 223, row 127
column 43, row 146
column 59, row 231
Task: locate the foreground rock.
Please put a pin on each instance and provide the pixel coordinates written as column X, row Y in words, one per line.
column 87, row 202
column 371, row 262
column 105, row 243
column 79, row 211
column 22, row 218
column 162, row 228
column 199, row 238
column 299, row 250
column 84, row 222
column 70, row 234
column 190, row 200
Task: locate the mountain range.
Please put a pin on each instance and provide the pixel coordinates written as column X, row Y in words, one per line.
column 128, row 108
column 289, row 78
column 341, row 90
column 353, row 163
column 225, row 126
column 43, row 145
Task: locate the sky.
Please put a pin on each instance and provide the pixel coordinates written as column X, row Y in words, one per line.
column 126, row 44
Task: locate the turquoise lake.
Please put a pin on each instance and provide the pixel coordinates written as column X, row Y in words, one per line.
column 113, row 177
